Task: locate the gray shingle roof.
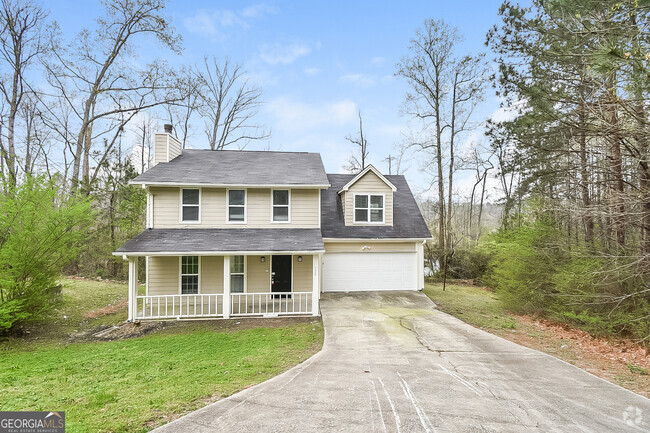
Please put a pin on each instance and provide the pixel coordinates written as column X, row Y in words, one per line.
column 407, row 219
column 237, row 167
column 223, row 240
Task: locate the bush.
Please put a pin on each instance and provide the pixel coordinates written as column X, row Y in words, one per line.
column 39, row 234
column 523, row 262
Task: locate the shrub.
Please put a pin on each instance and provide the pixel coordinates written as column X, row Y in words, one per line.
column 39, row 234
column 523, row 261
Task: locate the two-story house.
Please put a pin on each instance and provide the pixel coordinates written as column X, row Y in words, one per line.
column 242, row 233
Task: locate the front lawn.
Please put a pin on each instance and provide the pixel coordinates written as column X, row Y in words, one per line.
column 139, row 383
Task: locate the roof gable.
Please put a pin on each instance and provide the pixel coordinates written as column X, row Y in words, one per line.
column 408, row 222
column 369, row 168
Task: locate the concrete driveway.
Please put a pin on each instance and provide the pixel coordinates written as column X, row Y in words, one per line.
column 392, row 363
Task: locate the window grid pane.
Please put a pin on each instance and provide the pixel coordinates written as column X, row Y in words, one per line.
column 281, row 213
column 237, row 264
column 190, row 284
column 190, row 213
column 236, row 197
column 361, row 215
column 376, row 215
column 191, row 196
column 281, row 198
column 236, row 213
column 376, row 201
column 361, row 201
column 237, row 283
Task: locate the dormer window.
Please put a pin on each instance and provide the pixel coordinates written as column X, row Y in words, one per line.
column 368, row 208
column 190, row 205
column 237, row 205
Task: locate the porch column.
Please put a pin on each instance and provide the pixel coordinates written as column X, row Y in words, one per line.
column 226, row 287
column 133, row 288
column 315, row 296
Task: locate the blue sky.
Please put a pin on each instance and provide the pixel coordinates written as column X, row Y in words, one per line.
column 317, row 63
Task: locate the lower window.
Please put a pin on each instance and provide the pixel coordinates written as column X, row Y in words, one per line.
column 189, row 275
column 237, row 274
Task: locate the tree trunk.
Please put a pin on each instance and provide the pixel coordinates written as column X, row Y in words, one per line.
column 618, row 217
column 584, row 177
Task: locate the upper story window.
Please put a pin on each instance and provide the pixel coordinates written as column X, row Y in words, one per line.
column 368, row 208
column 191, row 205
column 237, row 205
column 280, row 205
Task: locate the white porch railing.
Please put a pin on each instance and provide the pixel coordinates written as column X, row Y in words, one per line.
column 211, row 305
column 270, row 304
column 179, row 306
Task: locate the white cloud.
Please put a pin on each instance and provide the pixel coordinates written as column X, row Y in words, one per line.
column 212, row 22
column 259, row 10
column 283, row 53
column 378, row 61
column 312, row 71
column 504, row 114
column 364, row 80
column 293, row 116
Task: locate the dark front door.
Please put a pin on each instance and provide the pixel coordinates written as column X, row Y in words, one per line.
column 281, row 274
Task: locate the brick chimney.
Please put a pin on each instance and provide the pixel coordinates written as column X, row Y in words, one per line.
column 166, row 146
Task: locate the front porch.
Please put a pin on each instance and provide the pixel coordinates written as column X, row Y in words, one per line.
column 225, row 286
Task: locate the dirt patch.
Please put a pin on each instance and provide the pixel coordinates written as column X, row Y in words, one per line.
column 109, row 309
column 140, row 329
column 623, row 351
column 619, row 361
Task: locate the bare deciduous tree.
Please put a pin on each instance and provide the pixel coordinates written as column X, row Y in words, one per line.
column 358, row 163
column 21, row 42
column 229, row 104
column 97, row 79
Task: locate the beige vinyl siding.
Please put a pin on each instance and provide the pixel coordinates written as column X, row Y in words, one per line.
column 175, row 147
column 166, row 208
column 258, row 275
column 302, row 274
column 160, row 149
column 211, row 274
column 375, row 247
column 164, row 275
column 370, row 183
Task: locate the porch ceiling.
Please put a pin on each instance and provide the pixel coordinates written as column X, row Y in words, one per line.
column 199, row 241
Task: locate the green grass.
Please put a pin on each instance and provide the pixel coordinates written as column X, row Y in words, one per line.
column 475, row 305
column 126, row 385
column 136, row 384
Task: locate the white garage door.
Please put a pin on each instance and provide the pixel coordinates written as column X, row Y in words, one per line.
column 354, row 272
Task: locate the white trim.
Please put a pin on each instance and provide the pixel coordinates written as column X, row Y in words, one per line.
column 288, row 206
column 146, row 276
column 368, row 194
column 215, row 253
column 363, row 173
column 229, row 185
column 236, row 205
column 167, row 138
column 180, row 209
column 319, row 208
column 180, row 275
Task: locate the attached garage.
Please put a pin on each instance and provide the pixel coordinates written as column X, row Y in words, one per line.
column 369, row 267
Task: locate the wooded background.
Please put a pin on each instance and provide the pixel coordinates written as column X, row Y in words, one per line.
column 567, row 237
